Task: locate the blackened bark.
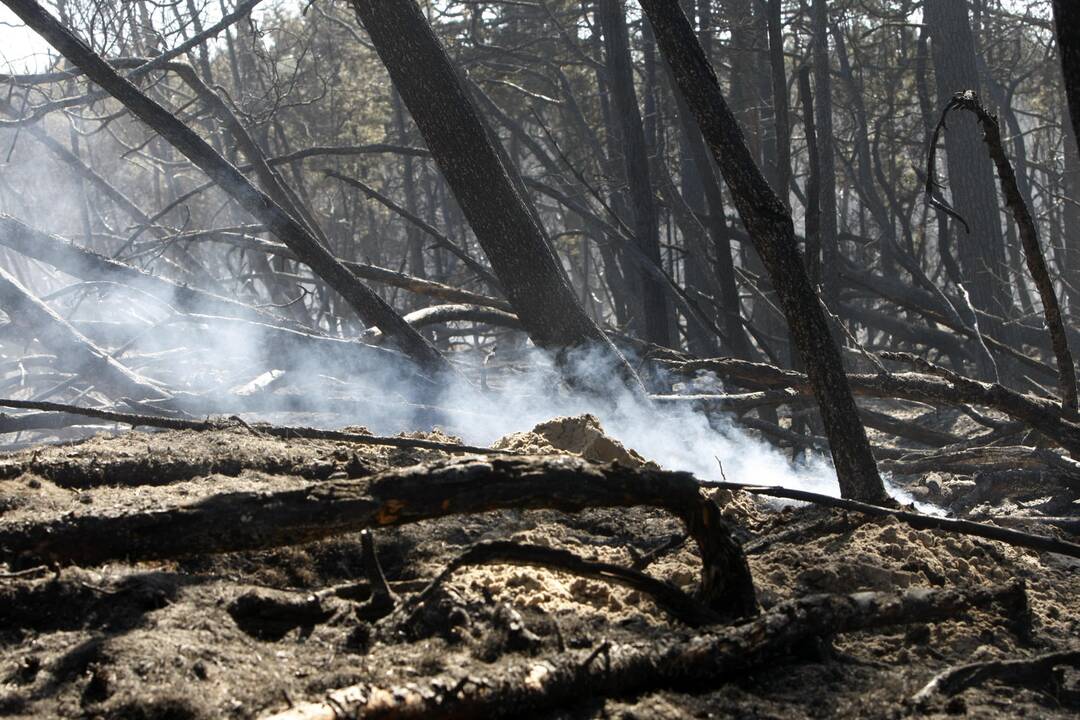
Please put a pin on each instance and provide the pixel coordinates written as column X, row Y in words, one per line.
column 773, row 233
column 1067, row 24
column 636, row 167
column 781, row 105
column 971, row 176
column 828, row 233
column 485, row 186
column 1033, row 253
column 371, row 308
column 813, row 180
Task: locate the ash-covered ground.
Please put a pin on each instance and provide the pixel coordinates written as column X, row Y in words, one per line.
column 246, row 635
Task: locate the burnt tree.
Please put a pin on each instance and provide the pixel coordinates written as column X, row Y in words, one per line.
column 369, row 306
column 770, row 227
column 653, row 303
column 487, row 187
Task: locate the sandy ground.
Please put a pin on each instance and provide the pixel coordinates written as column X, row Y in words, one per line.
column 187, row 639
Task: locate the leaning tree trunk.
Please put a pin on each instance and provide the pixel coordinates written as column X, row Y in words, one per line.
column 485, row 185
column 773, row 233
column 1067, row 23
column 369, row 306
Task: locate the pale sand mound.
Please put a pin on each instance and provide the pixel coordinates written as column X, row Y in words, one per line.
column 581, row 435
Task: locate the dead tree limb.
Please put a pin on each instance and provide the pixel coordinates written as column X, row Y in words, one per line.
column 369, row 306
column 439, row 314
column 770, row 227
column 420, row 286
column 251, row 520
column 1039, row 413
column 168, row 423
column 1029, row 238
column 85, row 264
column 1024, row 671
column 968, row 461
column 440, row 239
column 701, row 661
column 75, row 352
column 681, row 606
column 919, row 521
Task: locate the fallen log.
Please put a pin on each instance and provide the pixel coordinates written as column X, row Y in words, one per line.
column 40, row 421
column 74, row 351
column 438, row 314
column 968, row 461
column 252, row 520
column 615, row 670
column 916, row 520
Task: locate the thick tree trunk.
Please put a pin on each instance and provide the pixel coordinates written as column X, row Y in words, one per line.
column 1067, row 23
column 770, row 226
column 371, row 308
column 487, row 188
column 634, row 150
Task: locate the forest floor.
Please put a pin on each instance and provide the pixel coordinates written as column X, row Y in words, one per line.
column 248, row 634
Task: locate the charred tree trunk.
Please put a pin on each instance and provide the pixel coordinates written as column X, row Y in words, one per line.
column 653, row 301
column 981, row 252
column 823, row 122
column 486, row 187
column 772, row 231
column 1067, row 23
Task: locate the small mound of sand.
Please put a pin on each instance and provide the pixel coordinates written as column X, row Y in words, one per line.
column 581, row 435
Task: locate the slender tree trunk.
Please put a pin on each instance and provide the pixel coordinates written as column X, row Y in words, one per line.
column 653, row 303
column 781, row 104
column 773, row 233
column 828, row 234
column 981, row 252
column 414, row 242
column 485, row 186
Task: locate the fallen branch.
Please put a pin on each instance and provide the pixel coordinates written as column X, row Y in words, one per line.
column 1042, row 414
column 85, row 264
column 252, row 520
column 702, row 661
column 918, row 521
column 1034, row 670
column 37, row 320
column 170, row 423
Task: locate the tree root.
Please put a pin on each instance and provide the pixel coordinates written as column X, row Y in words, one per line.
column 680, row 605
column 615, row 670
